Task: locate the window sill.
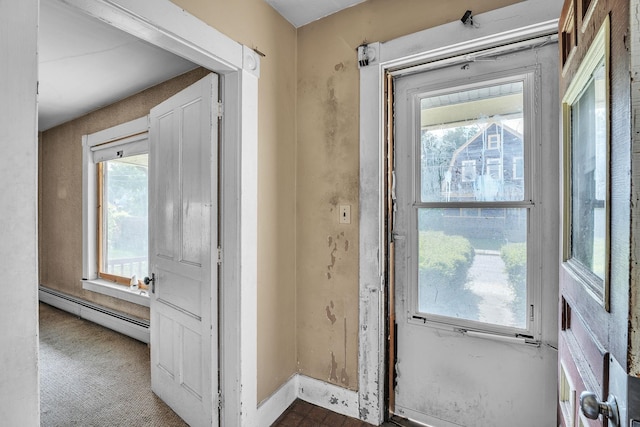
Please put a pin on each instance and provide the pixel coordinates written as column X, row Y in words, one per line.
column 506, row 334
column 140, row 296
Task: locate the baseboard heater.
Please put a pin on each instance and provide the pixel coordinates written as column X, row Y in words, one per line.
column 117, row 321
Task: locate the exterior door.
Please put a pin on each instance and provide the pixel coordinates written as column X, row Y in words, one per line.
column 476, row 159
column 594, row 276
column 183, row 232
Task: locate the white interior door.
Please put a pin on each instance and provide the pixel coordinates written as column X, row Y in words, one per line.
column 183, row 232
column 476, row 159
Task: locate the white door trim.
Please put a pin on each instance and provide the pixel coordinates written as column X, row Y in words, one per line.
column 169, row 27
column 509, row 24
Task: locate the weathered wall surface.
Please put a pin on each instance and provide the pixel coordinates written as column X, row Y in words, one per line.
column 19, row 386
column 60, row 190
column 308, row 166
column 328, row 166
column 255, row 24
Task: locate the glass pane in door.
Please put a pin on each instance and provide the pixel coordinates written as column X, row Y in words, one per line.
column 472, row 264
column 471, row 145
column 589, row 175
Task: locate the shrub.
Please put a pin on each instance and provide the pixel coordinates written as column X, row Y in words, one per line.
column 514, row 256
column 444, row 258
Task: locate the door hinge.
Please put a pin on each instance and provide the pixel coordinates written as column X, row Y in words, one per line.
column 219, row 259
column 220, row 109
column 531, row 312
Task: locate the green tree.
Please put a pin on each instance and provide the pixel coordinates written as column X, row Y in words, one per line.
column 437, row 149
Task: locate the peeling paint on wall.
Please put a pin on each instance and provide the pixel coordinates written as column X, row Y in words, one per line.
column 330, row 116
column 330, row 315
column 333, row 376
column 344, row 377
column 333, row 245
column 333, row 257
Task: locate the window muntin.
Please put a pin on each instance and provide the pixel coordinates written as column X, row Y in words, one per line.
column 123, row 218
column 473, row 207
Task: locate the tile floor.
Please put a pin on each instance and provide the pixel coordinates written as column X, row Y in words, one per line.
column 303, row 414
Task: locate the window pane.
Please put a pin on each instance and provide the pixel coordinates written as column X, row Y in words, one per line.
column 589, row 175
column 473, row 267
column 125, row 218
column 471, row 145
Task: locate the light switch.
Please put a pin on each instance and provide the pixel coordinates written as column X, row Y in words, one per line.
column 345, row 214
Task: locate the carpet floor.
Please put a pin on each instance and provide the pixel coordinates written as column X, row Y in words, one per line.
column 93, row 376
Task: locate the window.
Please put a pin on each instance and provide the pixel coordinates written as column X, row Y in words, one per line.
column 586, row 179
column 115, row 205
column 123, row 218
column 472, row 236
column 468, row 170
column 493, row 141
column 518, row 168
column 494, row 167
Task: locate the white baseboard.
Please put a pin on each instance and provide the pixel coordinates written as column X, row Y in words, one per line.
column 119, row 322
column 320, row 393
column 329, row 396
column 272, row 407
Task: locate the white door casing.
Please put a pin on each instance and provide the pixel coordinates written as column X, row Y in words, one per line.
column 168, row 26
column 164, row 24
column 183, row 224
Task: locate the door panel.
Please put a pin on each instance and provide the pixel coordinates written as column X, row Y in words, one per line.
column 463, row 357
column 584, row 364
column 593, row 332
column 183, row 221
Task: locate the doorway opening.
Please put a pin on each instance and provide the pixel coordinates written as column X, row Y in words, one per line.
column 460, row 180
column 163, row 24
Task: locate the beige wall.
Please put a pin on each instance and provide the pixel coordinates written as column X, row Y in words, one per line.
column 308, row 166
column 328, row 167
column 255, row 24
column 60, row 191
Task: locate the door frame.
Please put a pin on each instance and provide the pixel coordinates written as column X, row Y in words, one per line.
column 164, row 24
column 510, row 24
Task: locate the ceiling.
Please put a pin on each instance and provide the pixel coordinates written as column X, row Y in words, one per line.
column 302, row 12
column 86, row 64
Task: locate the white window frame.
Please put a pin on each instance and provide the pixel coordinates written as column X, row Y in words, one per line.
column 516, row 175
column 493, row 141
column 464, row 165
column 132, row 138
column 529, row 77
column 494, row 163
column 509, row 24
